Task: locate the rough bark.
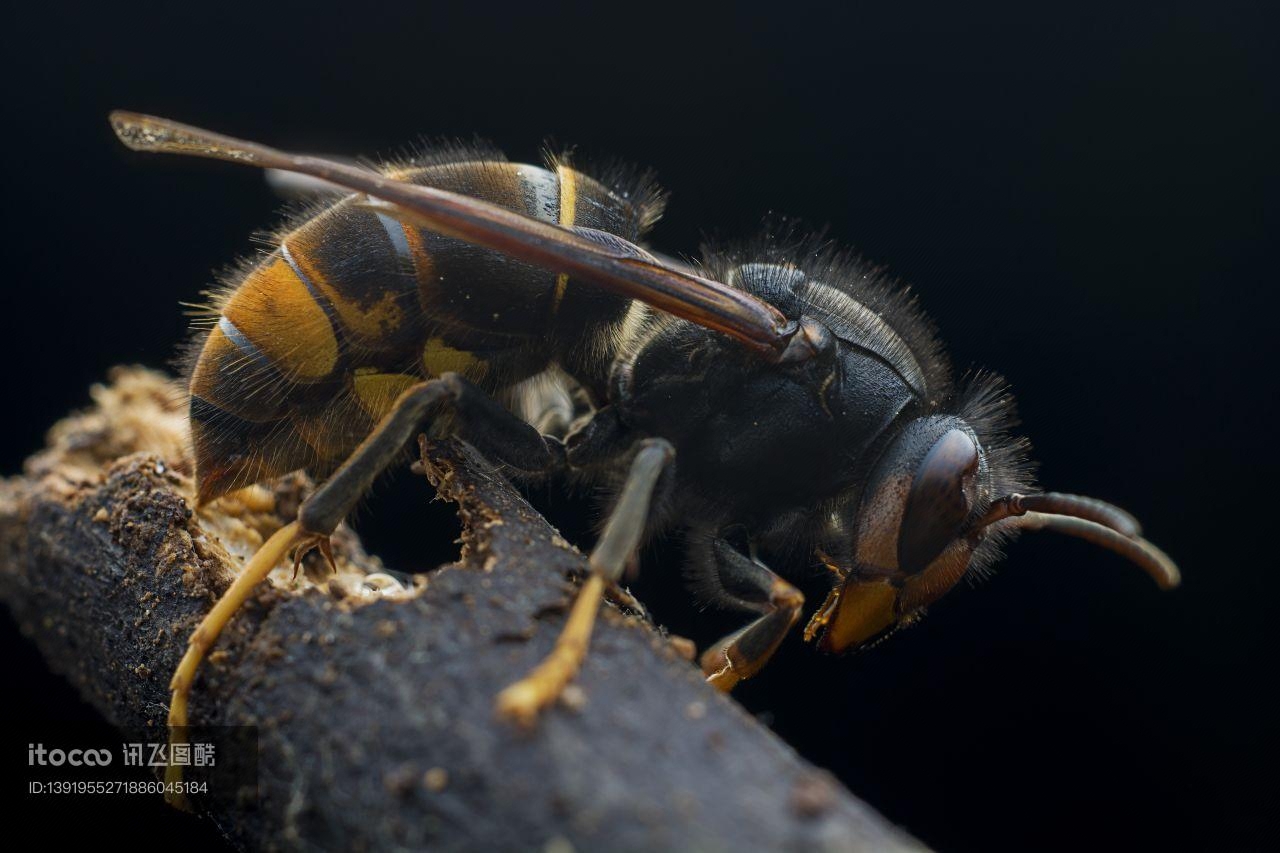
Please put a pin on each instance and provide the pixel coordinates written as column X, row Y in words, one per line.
column 375, row 710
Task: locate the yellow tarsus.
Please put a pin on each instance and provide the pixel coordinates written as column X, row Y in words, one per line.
column 522, row 701
column 204, row 636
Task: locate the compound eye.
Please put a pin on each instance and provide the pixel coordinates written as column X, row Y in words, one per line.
column 939, row 502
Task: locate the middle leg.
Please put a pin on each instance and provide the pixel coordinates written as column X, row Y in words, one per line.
column 522, row 701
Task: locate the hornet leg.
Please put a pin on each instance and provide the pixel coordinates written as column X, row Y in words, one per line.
column 522, row 701
column 739, row 581
column 496, row 432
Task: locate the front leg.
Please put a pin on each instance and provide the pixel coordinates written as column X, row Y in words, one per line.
column 731, row 578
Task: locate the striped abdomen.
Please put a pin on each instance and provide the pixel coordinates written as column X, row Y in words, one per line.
column 312, row 345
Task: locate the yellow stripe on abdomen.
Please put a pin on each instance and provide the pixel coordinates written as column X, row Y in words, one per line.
column 439, row 358
column 276, row 312
column 568, row 211
column 368, row 317
column 377, row 392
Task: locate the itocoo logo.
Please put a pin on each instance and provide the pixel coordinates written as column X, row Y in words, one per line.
column 37, row 754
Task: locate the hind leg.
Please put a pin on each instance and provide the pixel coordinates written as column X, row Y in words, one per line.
column 478, row 418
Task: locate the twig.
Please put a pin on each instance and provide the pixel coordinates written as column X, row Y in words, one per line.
column 375, row 711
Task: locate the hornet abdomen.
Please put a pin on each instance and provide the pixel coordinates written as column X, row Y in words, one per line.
column 312, row 345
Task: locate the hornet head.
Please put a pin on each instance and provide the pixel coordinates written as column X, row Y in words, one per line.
column 942, row 495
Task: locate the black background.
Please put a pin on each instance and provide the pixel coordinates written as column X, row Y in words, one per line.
column 1080, row 197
